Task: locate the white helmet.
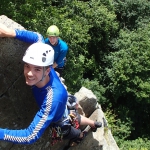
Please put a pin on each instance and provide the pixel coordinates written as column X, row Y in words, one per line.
column 39, row 54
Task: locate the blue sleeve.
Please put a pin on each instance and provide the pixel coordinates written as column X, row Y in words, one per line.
column 29, row 36
column 41, row 121
column 63, row 53
column 47, row 41
column 61, row 57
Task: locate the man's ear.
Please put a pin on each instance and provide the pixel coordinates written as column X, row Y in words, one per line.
column 47, row 71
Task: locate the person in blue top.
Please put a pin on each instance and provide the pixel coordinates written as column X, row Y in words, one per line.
column 60, row 47
column 51, row 97
column 49, row 92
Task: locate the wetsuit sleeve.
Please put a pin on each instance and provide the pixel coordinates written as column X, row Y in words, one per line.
column 29, row 36
column 47, row 41
column 41, row 121
column 62, row 55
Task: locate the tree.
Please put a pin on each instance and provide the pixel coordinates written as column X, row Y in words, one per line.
column 128, row 75
column 131, row 12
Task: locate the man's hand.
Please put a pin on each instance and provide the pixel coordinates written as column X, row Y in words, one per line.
column 55, row 65
column 6, row 32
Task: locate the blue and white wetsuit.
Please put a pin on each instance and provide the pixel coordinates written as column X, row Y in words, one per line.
column 51, row 100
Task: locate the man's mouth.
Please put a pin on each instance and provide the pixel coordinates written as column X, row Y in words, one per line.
column 30, row 78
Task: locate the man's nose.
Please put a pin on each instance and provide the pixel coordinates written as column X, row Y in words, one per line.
column 30, row 73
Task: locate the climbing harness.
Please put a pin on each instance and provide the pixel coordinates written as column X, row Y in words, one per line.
column 74, row 120
column 56, row 135
column 70, row 118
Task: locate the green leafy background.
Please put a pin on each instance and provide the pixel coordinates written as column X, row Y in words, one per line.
column 109, row 53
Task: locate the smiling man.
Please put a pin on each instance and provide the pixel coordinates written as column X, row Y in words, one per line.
column 51, row 97
column 49, row 93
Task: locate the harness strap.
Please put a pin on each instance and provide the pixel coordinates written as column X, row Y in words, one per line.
column 70, row 118
column 74, row 120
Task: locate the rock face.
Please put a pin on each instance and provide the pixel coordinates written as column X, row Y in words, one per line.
column 18, row 105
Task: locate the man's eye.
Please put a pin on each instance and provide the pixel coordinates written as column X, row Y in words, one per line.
column 38, row 69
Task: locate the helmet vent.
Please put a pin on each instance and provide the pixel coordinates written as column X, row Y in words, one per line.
column 44, row 54
column 43, row 59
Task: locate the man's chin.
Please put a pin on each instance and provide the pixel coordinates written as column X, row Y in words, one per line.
column 29, row 83
column 54, row 43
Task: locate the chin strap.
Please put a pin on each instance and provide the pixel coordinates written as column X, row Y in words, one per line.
column 43, row 76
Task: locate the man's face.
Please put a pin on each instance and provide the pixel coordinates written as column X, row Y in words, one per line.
column 53, row 40
column 33, row 74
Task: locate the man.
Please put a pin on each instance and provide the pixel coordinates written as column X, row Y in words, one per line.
column 51, row 97
column 60, row 47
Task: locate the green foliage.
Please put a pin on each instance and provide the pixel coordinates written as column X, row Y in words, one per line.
column 128, row 75
column 138, row 144
column 129, row 67
column 120, row 129
column 96, row 88
column 29, row 13
column 131, row 12
column 103, row 27
column 79, row 19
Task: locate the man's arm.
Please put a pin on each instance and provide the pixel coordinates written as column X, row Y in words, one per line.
column 29, row 36
column 41, row 121
column 6, row 32
column 22, row 35
column 62, row 54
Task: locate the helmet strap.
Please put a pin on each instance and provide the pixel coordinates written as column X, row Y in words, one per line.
column 43, row 76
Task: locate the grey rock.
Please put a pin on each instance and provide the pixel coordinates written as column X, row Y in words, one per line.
column 87, row 101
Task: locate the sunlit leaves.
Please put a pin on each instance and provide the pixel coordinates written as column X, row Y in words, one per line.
column 130, row 65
